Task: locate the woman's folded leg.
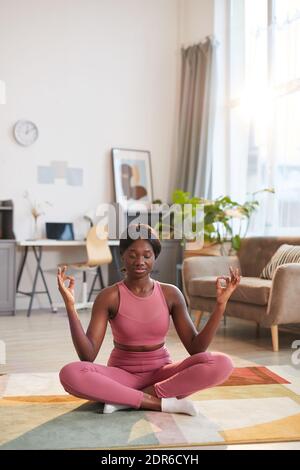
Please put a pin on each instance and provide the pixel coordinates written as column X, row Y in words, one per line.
column 197, row 372
column 101, row 383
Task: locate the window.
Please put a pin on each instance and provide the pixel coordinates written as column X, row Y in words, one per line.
column 264, row 110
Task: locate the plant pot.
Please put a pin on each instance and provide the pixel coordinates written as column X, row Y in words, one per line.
column 206, row 249
column 209, row 249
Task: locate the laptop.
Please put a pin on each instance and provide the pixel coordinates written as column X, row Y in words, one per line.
column 62, row 231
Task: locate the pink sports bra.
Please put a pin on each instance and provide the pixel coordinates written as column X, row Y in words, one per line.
column 141, row 320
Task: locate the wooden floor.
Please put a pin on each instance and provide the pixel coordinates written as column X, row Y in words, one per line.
column 42, row 343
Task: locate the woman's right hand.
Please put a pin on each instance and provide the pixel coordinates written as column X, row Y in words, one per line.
column 67, row 292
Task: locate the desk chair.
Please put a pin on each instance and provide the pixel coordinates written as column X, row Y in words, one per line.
column 98, row 253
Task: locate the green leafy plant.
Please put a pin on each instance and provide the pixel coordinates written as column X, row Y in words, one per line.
column 225, row 220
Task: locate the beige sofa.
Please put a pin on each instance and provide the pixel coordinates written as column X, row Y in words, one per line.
column 268, row 303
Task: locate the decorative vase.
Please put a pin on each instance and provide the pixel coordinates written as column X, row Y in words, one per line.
column 36, row 235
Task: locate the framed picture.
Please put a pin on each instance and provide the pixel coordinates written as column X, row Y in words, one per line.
column 132, row 177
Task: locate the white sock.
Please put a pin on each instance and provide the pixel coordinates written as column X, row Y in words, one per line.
column 110, row 408
column 175, row 405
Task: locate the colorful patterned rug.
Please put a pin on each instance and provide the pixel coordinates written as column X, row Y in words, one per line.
column 256, row 404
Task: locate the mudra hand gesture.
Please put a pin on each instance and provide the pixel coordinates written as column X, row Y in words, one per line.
column 67, row 292
column 226, row 285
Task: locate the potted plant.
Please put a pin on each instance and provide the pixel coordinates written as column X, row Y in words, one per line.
column 226, row 221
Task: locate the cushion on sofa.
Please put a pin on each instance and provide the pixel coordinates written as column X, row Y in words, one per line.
column 284, row 255
column 251, row 290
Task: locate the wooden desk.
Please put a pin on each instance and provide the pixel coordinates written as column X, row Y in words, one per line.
column 37, row 247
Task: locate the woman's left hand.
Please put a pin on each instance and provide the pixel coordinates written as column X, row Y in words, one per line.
column 225, row 291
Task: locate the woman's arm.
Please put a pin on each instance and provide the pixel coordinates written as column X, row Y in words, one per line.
column 87, row 344
column 193, row 341
column 203, row 339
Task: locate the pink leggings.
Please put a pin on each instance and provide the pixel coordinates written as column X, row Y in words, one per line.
column 128, row 372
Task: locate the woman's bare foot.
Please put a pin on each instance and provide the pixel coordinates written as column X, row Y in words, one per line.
column 150, row 390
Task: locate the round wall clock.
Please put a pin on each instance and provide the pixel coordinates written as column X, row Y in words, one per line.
column 25, row 132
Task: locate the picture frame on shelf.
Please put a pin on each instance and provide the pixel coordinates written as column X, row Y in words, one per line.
column 132, row 176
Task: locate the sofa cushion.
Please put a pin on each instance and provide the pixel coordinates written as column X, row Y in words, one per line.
column 284, row 255
column 252, row 290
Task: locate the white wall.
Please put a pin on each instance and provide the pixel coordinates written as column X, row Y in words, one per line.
column 92, row 74
column 196, row 20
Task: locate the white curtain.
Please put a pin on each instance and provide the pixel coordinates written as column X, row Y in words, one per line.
column 270, row 110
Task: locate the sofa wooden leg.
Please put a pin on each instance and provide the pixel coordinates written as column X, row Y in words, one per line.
column 257, row 330
column 198, row 314
column 274, row 333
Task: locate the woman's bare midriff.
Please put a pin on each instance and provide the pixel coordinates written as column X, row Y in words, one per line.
column 137, row 348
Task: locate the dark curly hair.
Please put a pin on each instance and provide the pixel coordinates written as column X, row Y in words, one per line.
column 139, row 232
